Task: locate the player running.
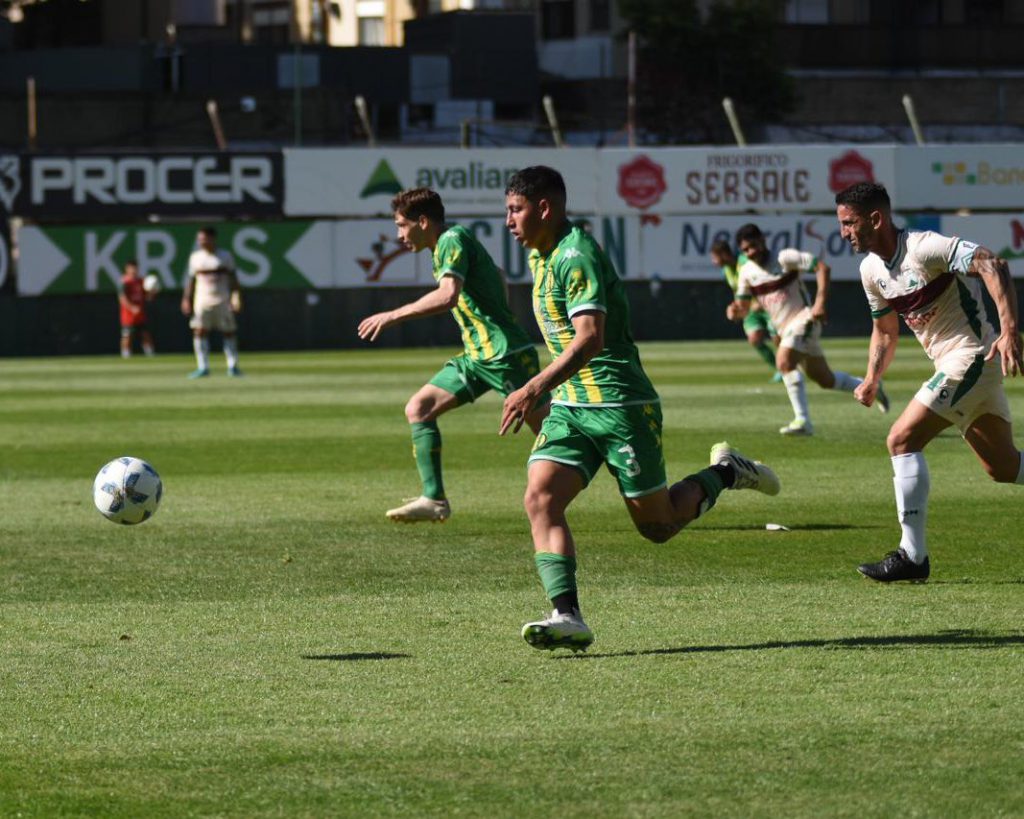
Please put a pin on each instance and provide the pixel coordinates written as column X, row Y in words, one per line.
column 932, row 281
column 605, row 410
column 756, row 324
column 499, row 355
column 798, row 320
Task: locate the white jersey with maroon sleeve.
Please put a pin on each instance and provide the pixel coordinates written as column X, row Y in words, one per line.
column 926, row 282
column 211, row 273
column 782, row 294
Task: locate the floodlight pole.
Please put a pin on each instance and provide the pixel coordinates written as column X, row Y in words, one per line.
column 364, row 118
column 549, row 112
column 218, row 132
column 734, row 121
column 631, row 91
column 915, row 126
column 33, row 130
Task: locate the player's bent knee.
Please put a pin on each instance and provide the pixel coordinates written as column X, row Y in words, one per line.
column 417, row 411
column 897, row 441
column 658, row 532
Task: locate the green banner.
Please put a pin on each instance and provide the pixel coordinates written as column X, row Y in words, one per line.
column 89, row 259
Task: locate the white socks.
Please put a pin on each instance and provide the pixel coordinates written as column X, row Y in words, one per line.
column 845, row 382
column 231, row 351
column 202, row 347
column 797, row 389
column 911, row 483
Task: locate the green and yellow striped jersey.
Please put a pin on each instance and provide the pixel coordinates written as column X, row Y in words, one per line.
column 489, row 327
column 576, row 276
column 732, row 272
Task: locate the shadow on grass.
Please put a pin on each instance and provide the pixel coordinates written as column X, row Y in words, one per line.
column 355, row 656
column 957, row 638
column 796, row 527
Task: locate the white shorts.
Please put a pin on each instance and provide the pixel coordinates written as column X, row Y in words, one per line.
column 964, row 388
column 803, row 334
column 218, row 317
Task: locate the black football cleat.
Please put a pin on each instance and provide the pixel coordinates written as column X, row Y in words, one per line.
column 896, row 566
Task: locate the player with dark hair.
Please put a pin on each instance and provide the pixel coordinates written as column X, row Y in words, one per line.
column 498, row 354
column 212, row 297
column 132, row 298
column 605, row 410
column 798, row 320
column 756, row 324
column 935, row 283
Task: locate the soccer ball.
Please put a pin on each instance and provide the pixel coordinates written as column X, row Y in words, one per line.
column 151, row 284
column 127, row 490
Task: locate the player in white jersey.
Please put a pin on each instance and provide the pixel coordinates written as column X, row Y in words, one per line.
column 798, row 320
column 934, row 282
column 212, row 298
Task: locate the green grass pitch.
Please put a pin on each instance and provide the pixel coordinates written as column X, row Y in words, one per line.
column 269, row 645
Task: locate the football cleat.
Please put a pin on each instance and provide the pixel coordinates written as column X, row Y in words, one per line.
column 881, row 400
column 234, row 372
column 559, row 631
column 797, row 427
column 749, row 474
column 896, row 566
column 200, row 373
column 420, row 509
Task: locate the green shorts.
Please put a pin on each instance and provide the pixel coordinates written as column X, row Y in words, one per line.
column 758, row 320
column 468, row 378
column 627, row 439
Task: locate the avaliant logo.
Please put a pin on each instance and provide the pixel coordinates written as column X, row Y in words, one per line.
column 382, row 180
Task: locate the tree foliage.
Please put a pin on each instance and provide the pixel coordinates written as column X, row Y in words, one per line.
column 688, row 61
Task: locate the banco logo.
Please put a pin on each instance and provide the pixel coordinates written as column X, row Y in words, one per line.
column 10, row 180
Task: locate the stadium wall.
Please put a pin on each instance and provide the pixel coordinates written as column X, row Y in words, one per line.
column 87, row 324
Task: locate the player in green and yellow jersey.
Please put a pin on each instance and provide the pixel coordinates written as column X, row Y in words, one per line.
column 499, row 355
column 604, row 410
column 756, row 324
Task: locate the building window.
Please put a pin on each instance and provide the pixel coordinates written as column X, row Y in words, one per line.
column 371, row 31
column 600, row 15
column 807, row 12
column 557, row 19
column 908, row 13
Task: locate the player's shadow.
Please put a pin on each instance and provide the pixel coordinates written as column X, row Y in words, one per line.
column 955, row 638
column 357, row 656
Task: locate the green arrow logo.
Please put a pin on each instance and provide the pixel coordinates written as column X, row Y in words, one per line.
column 382, row 180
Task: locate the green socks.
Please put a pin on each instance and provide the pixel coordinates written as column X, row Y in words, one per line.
column 557, row 573
column 426, row 448
column 764, row 349
column 711, row 482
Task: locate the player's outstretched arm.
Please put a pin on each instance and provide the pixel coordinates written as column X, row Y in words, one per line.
column 439, row 300
column 823, row 274
column 587, row 342
column 995, row 273
column 884, row 335
column 236, row 292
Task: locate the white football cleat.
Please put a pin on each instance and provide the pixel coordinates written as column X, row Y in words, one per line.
column 749, row 474
column 559, row 631
column 797, row 427
column 420, row 509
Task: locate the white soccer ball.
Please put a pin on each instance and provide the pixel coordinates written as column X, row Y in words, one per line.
column 151, row 284
column 127, row 490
